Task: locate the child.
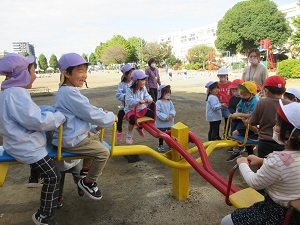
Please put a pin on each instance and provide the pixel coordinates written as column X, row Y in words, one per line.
column 165, row 112
column 213, row 110
column 170, row 72
column 77, row 137
column 279, row 174
column 224, row 94
column 184, row 72
column 262, row 115
column 120, row 95
column 136, row 94
column 292, row 94
column 22, row 123
column 245, row 108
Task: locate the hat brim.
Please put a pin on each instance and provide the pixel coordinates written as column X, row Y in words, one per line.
column 242, row 87
column 281, row 112
column 30, row 59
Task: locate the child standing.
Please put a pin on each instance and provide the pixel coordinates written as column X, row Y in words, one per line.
column 170, row 72
column 80, row 114
column 120, row 95
column 279, row 174
column 224, row 94
column 213, row 110
column 165, row 112
column 274, row 87
column 248, row 91
column 22, row 123
column 137, row 94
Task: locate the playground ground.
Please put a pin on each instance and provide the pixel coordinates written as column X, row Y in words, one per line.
column 138, row 193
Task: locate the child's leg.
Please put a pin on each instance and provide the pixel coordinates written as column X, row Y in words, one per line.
column 62, row 183
column 86, row 163
column 214, row 129
column 50, row 188
column 121, row 115
column 33, row 180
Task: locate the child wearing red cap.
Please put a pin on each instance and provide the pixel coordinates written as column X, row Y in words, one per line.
column 263, row 115
column 279, row 174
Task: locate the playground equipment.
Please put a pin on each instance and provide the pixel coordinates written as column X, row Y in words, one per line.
column 180, row 158
column 265, row 49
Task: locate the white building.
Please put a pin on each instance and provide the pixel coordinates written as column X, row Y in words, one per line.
column 182, row 41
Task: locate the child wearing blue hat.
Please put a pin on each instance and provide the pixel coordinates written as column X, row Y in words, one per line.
column 120, row 95
column 165, row 112
column 22, row 126
column 80, row 115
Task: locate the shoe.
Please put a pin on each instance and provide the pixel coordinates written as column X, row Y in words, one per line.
column 253, row 137
column 133, row 158
column 233, row 156
column 59, row 201
column 80, row 192
column 129, row 139
column 119, row 136
column 39, row 219
column 230, row 150
column 161, row 148
column 141, row 131
column 33, row 182
column 84, row 171
column 90, row 189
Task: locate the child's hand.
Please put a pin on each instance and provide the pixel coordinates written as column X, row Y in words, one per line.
column 242, row 160
column 149, row 101
column 142, row 102
column 231, row 116
column 224, row 105
column 169, row 118
column 254, row 160
column 116, row 118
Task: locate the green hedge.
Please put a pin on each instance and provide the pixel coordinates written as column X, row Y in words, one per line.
column 289, row 68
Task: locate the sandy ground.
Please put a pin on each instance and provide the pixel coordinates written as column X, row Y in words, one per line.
column 138, row 193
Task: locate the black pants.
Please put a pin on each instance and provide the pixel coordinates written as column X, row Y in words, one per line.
column 75, row 173
column 266, row 147
column 153, row 94
column 149, row 113
column 121, row 115
column 214, row 128
column 160, row 140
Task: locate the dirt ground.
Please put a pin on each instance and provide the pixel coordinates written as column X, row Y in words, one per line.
column 138, row 193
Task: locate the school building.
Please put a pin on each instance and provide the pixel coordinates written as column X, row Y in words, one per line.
column 184, row 40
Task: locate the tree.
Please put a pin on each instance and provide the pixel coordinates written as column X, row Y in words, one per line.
column 92, row 59
column 24, row 54
column 43, row 64
column 115, row 54
column 172, row 60
column 295, row 45
column 199, row 54
column 53, row 62
column 159, row 51
column 248, row 22
column 136, row 45
column 85, row 57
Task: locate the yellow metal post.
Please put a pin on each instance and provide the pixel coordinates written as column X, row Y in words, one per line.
column 180, row 177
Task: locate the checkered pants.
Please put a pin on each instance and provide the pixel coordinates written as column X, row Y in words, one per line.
column 49, row 194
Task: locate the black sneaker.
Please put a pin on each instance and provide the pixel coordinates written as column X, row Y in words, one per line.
column 33, row 182
column 90, row 189
column 233, row 156
column 39, row 219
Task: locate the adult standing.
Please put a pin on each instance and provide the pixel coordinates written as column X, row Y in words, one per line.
column 153, row 79
column 255, row 71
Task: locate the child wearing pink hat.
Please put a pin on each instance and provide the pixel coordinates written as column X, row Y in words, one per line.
column 279, row 174
column 22, row 126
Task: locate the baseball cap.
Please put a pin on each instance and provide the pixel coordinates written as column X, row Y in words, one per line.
column 290, row 113
column 137, row 75
column 70, row 59
column 159, row 89
column 222, row 71
column 248, row 86
column 294, row 91
column 15, row 67
column 126, row 68
column 258, row 87
column 235, row 82
column 275, row 81
column 210, row 83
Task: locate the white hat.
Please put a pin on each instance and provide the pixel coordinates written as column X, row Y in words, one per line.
column 294, row 91
column 222, row 71
column 290, row 113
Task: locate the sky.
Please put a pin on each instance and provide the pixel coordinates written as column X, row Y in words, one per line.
column 62, row 26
